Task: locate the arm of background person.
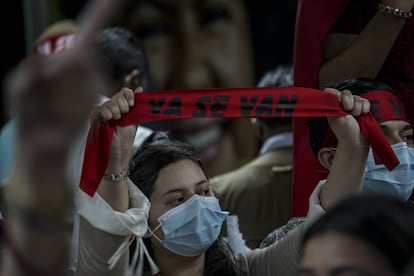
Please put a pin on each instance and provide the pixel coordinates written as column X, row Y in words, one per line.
column 362, row 55
column 53, row 97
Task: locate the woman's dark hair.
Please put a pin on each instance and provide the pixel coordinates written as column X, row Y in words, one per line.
column 386, row 223
column 318, row 126
column 157, row 152
column 118, row 52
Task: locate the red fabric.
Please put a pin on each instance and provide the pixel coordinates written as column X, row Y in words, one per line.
column 313, row 21
column 386, row 106
column 228, row 103
column 315, row 18
column 55, row 44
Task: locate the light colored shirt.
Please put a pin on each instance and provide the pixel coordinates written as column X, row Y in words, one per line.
column 277, row 141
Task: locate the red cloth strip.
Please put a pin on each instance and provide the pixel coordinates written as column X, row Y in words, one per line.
column 386, row 106
column 227, row 103
column 55, row 44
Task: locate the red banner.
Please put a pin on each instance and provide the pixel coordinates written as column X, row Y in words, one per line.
column 226, row 103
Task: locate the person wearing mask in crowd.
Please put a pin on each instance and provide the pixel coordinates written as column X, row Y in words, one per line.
column 362, row 235
column 397, row 128
column 168, row 202
column 393, row 119
column 346, row 39
column 259, row 192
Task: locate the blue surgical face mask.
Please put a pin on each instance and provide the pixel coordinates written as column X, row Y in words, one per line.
column 397, row 183
column 192, row 227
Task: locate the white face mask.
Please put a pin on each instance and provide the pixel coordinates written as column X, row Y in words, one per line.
column 192, row 227
column 397, row 183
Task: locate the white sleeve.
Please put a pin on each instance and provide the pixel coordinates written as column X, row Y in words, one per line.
column 100, row 214
column 315, row 208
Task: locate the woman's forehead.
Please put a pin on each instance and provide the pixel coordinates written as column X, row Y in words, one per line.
column 182, row 174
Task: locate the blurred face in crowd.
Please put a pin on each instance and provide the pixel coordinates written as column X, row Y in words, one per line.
column 198, row 44
column 334, row 254
column 195, row 43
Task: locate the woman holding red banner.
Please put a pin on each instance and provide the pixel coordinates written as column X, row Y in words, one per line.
column 170, row 205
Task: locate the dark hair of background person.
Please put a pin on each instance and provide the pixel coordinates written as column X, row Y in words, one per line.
column 281, row 76
column 119, row 52
column 383, row 222
column 319, row 125
column 156, row 153
column 272, row 24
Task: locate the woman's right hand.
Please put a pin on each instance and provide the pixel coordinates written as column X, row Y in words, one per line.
column 123, row 137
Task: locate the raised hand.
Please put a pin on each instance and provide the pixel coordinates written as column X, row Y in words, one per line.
column 346, row 128
column 347, row 169
column 52, row 97
column 123, row 137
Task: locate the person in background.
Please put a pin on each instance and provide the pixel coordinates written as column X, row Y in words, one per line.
column 397, row 127
column 393, row 119
column 52, row 97
column 123, row 60
column 362, row 235
column 124, row 63
column 127, row 69
column 259, row 192
column 347, row 39
column 213, row 44
column 374, row 36
column 119, row 56
column 57, row 37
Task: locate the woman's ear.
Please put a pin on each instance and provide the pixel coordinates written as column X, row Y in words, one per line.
column 326, row 157
column 131, row 80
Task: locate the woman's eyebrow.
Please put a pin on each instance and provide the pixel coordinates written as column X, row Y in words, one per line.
column 179, row 190
column 201, row 182
column 176, row 190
